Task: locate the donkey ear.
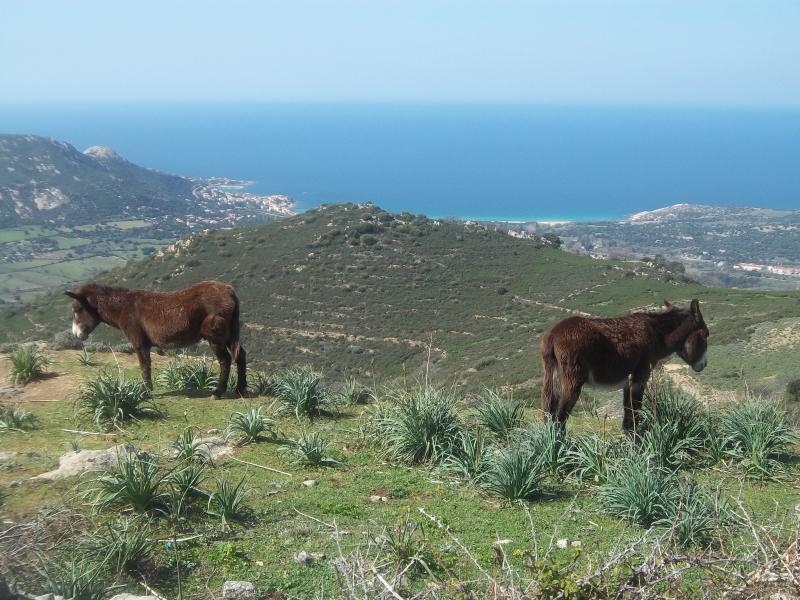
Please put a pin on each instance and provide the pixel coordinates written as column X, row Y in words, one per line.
column 79, row 297
column 695, row 308
column 667, row 303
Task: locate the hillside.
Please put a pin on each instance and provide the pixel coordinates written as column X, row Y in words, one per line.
column 356, row 291
column 47, row 181
column 717, row 244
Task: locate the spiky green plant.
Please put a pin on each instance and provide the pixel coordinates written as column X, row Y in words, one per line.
column 309, row 449
column 251, row 425
column 188, row 447
column 201, row 376
column 173, row 375
column 137, row 483
column 405, row 544
column 28, row 362
column 640, row 490
column 300, row 390
column 85, row 358
column 417, row 426
column 227, row 501
column 547, row 442
column 76, row 579
column 112, row 398
column 121, row 545
column 694, row 518
column 469, row 457
column 514, row 473
column 261, row 384
column 757, row 435
column 16, row 418
column 499, row 414
column 590, row 456
column 351, row 392
column 186, row 481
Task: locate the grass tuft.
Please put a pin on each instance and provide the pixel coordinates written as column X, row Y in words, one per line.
column 187, row 447
column 514, row 473
column 122, row 545
column 310, row 449
column 16, row 418
column 300, row 390
column 28, row 363
column 499, row 414
column 135, row 483
column 251, row 425
column 227, row 501
column 112, row 398
column 417, row 426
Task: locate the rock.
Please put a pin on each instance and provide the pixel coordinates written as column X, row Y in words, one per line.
column 576, row 543
column 75, row 463
column 213, row 432
column 309, row 483
column 47, row 597
column 238, row 590
column 217, row 447
column 15, row 483
column 377, row 498
column 7, row 455
column 308, row 558
column 132, row 597
column 8, row 391
column 562, row 543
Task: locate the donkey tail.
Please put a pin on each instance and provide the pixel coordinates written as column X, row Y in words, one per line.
column 236, row 326
column 549, row 375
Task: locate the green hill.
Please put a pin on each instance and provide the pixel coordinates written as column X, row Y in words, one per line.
column 356, row 291
column 45, row 181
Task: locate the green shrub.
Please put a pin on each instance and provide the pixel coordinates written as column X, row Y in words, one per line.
column 418, row 425
column 135, row 483
column 300, row 390
column 639, row 490
column 514, row 473
column 15, row 418
column 405, row 543
column 251, row 425
column 66, row 340
column 499, row 414
column 186, row 482
column 122, row 545
column 85, row 359
column 78, row 579
column 187, row 447
column 227, row 501
column 96, row 347
column 757, row 435
column 469, row 457
column 123, row 348
column 352, row 393
column 694, row 518
column 547, row 442
column 309, row 449
column 27, row 363
column 112, row 398
column 591, row 457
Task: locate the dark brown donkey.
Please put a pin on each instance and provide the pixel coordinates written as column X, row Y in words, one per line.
column 618, row 352
column 208, row 310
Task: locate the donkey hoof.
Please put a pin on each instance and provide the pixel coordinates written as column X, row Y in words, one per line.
column 216, row 396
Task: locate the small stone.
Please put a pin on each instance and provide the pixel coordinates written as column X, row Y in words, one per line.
column 309, row 483
column 377, row 498
column 562, row 543
column 502, row 542
column 213, row 432
column 238, row 590
column 15, row 483
column 576, row 544
column 7, row 455
column 303, row 558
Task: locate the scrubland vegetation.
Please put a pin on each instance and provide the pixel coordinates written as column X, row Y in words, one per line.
column 410, row 487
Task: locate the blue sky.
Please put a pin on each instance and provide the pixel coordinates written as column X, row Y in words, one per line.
column 642, row 52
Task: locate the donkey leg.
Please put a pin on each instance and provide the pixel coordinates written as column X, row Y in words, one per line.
column 224, row 360
column 550, row 384
column 241, row 372
column 571, row 385
column 143, row 354
column 633, row 392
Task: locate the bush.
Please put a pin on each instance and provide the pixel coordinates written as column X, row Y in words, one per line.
column 85, row 358
column 300, row 390
column 514, row 473
column 123, row 545
column 591, row 457
column 251, row 425
column 187, row 447
column 756, row 433
column 469, row 457
column 15, row 418
column 694, row 518
column 499, row 414
column 123, row 348
column 27, row 363
column 676, row 428
column 112, row 398
column 96, row 347
column 309, row 449
column 639, row 490
column 418, row 425
column 547, row 442
column 78, row 579
column 135, row 483
column 66, row 340
column 227, row 501
column 352, row 393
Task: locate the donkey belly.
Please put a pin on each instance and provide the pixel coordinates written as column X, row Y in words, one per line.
column 609, row 383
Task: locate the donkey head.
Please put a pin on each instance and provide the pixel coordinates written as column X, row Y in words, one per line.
column 695, row 344
column 84, row 315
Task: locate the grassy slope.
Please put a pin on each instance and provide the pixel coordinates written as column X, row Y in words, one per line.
column 261, row 549
column 314, row 291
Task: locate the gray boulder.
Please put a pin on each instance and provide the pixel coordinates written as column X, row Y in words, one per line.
column 238, row 590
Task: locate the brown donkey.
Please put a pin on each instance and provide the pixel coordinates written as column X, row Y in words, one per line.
column 618, row 352
column 208, row 310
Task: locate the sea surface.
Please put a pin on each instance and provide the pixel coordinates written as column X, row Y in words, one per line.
column 476, row 161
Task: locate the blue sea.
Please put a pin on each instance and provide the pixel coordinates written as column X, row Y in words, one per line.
column 500, row 161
